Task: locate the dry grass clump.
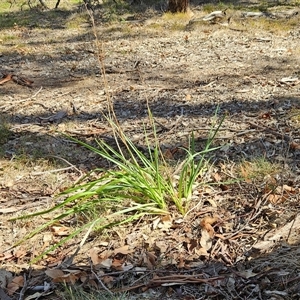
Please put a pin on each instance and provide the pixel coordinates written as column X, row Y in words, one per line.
column 258, row 169
column 75, row 21
column 272, row 25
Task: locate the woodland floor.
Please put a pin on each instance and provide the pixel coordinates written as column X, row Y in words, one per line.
column 191, row 74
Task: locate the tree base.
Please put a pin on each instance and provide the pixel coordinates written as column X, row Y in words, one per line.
column 178, row 6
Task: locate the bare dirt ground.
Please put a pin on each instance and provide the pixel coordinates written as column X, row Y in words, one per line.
column 190, row 73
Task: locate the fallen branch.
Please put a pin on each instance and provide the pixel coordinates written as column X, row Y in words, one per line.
column 17, row 79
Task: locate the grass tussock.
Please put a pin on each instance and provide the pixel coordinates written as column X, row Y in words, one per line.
column 178, row 17
column 138, row 182
column 76, row 20
column 295, row 118
column 5, row 132
column 271, row 25
column 173, row 22
column 258, row 169
column 74, row 292
column 210, row 7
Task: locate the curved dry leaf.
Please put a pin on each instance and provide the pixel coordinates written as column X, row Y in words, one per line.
column 94, row 256
column 205, row 241
column 192, row 244
column 181, row 263
column 106, row 263
column 150, row 259
column 107, row 279
column 217, row 177
column 12, row 287
column 247, row 274
column 294, row 145
column 6, row 78
column 200, row 252
column 206, row 224
column 276, row 199
column 123, row 250
column 166, row 222
column 67, row 278
column 60, row 230
column 54, row 273
column 162, row 246
column 288, row 188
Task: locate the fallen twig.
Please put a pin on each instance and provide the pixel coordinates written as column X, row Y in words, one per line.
column 29, row 98
column 265, row 128
column 100, row 281
column 52, row 171
column 6, row 78
column 24, row 288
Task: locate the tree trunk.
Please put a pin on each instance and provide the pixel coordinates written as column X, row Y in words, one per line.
column 176, row 6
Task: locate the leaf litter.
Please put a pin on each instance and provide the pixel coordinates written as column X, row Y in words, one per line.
column 239, row 240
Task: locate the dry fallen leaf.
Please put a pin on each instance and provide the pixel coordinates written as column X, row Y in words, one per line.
column 54, row 273
column 72, row 278
column 201, row 252
column 217, row 177
column 245, row 174
column 168, row 154
column 188, row 97
column 286, row 233
column 94, row 256
column 19, row 280
column 206, row 224
column 247, row 274
column 288, row 188
column 60, row 276
column 155, row 223
column 192, row 244
column 279, row 194
column 165, row 222
column 205, row 241
column 123, row 250
column 6, row 256
column 47, row 238
column 294, row 146
column 107, row 279
column 83, row 276
column 150, row 259
column 60, row 230
column 162, row 246
column 6, row 77
column 181, row 263
column 20, row 253
column 117, row 264
column 105, row 263
column 15, row 284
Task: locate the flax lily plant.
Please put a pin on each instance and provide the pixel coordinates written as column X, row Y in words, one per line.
column 138, row 183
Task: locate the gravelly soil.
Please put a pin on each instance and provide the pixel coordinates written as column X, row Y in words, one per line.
column 186, row 76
